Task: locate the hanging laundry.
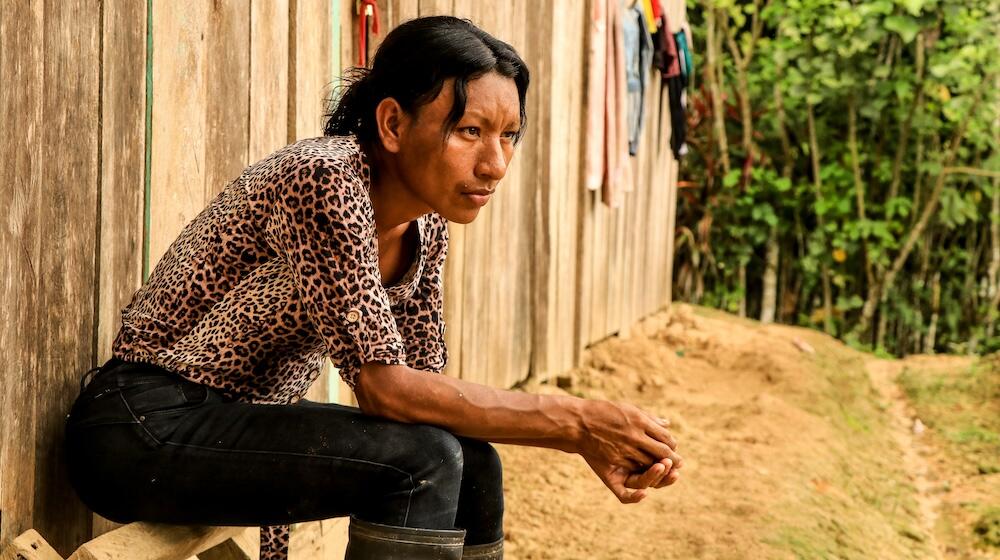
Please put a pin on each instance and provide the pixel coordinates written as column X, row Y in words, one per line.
column 617, row 177
column 665, row 50
column 687, row 64
column 648, row 18
column 597, row 70
column 657, row 11
column 669, row 58
column 638, row 54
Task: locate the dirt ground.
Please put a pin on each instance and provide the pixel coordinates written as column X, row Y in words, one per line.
column 795, row 446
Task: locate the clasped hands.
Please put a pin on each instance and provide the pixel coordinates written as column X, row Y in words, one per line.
column 629, row 449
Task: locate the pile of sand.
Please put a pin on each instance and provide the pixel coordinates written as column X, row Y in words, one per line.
column 787, row 452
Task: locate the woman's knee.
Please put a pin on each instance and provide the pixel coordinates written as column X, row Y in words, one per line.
column 438, row 455
column 481, row 460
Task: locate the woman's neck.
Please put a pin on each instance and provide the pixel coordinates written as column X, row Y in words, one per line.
column 393, row 203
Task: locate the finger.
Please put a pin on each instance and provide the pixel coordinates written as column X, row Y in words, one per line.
column 661, row 433
column 657, row 450
column 667, row 469
column 647, row 478
column 669, row 479
column 627, row 496
column 665, row 422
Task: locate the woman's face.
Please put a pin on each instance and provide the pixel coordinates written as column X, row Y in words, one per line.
column 455, row 177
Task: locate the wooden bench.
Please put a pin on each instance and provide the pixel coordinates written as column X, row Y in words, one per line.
column 147, row 541
column 316, row 540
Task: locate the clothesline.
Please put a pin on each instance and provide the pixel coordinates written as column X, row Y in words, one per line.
column 626, row 41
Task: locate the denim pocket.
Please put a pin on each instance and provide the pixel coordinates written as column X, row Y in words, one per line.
column 159, row 408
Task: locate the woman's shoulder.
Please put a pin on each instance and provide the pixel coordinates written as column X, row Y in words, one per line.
column 323, row 159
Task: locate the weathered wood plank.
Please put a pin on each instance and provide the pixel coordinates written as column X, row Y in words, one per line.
column 476, row 355
column 155, row 541
column 178, row 167
column 227, row 111
column 310, row 62
column 123, row 162
column 436, row 7
column 521, row 203
column 403, row 10
column 68, row 267
column 319, row 540
column 268, row 119
column 29, row 546
column 21, row 40
column 245, row 545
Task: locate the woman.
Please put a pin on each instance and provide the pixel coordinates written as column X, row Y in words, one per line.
column 334, row 246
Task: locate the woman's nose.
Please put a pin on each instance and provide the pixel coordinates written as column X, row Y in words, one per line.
column 492, row 162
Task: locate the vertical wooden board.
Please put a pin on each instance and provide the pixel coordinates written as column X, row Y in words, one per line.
column 454, row 289
column 122, row 175
column 437, row 7
column 348, row 36
column 123, row 153
column 651, row 142
column 491, row 241
column 555, row 199
column 575, row 148
column 539, row 48
column 21, row 41
column 311, row 84
column 66, row 297
column 177, row 182
column 475, row 365
column 521, row 206
column 268, row 119
column 663, row 267
column 671, row 219
column 227, row 54
column 404, row 10
column 598, row 269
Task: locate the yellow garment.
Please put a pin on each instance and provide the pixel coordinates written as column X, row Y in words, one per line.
column 647, row 12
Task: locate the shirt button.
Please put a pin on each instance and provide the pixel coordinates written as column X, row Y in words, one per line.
column 353, row 316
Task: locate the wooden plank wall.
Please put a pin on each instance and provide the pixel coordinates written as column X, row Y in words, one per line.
column 231, row 82
column 547, row 269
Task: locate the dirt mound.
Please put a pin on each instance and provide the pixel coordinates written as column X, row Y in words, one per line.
column 787, row 452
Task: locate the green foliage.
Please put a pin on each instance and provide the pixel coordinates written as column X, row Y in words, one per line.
column 918, row 76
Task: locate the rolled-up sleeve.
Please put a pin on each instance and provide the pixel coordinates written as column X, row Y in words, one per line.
column 323, row 224
column 421, row 318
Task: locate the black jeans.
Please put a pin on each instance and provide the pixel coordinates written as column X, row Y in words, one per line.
column 145, row 444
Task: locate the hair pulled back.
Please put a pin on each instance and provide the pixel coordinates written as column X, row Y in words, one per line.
column 411, row 66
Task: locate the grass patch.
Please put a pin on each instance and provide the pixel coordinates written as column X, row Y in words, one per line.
column 963, row 407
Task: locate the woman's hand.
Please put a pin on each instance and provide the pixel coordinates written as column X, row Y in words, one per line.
column 629, row 449
column 630, row 488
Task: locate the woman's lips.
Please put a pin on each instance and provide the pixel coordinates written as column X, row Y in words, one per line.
column 479, row 199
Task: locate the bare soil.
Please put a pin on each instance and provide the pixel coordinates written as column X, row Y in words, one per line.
column 795, row 446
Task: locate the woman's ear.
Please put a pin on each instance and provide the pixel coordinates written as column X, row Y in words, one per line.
column 390, row 120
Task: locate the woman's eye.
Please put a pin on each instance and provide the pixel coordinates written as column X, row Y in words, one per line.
column 472, row 130
column 511, row 134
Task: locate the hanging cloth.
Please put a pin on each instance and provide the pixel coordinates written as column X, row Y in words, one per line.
column 597, row 70
column 638, row 50
column 617, row 177
column 366, row 9
column 648, row 17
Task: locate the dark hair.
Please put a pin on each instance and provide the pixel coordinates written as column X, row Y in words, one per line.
column 411, row 66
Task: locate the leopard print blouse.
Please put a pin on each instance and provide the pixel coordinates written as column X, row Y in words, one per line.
column 279, row 272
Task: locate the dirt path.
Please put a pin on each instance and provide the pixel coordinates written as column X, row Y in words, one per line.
column 916, row 452
column 787, row 452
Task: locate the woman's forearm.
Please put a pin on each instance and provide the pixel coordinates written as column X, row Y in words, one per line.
column 469, row 409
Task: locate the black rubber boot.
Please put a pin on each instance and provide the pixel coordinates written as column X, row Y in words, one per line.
column 491, row 551
column 373, row 541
